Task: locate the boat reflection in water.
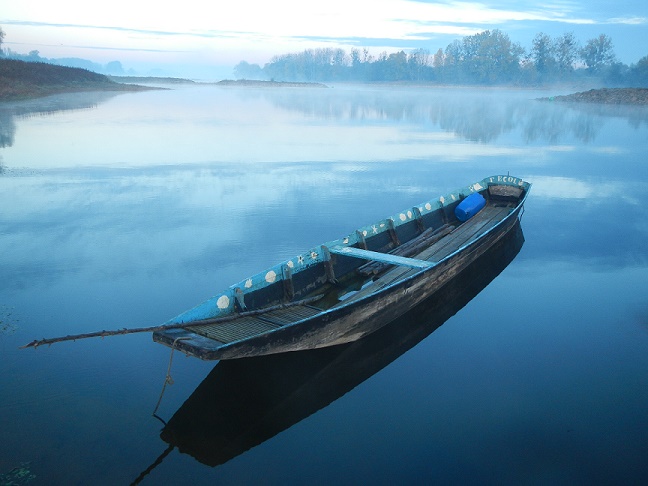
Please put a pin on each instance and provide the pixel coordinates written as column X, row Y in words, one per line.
column 244, row 402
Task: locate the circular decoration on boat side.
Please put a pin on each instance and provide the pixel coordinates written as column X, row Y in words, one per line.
column 442, row 199
column 223, row 302
column 345, row 241
column 248, row 283
column 364, row 233
column 409, row 214
column 271, row 276
column 428, row 206
column 402, row 217
column 314, row 255
column 290, row 264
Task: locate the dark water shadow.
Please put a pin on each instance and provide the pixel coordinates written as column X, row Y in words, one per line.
column 242, row 403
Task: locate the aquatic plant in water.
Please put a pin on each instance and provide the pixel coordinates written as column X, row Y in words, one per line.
column 17, row 476
column 7, row 324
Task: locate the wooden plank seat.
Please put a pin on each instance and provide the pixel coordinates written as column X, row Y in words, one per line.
column 409, row 249
column 380, row 257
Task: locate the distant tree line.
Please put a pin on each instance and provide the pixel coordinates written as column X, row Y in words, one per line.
column 113, row 68
column 486, row 58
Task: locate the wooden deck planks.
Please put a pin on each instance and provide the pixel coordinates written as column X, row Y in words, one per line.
column 234, row 330
column 463, row 234
column 227, row 332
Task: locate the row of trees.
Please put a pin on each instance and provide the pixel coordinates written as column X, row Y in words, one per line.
column 487, row 58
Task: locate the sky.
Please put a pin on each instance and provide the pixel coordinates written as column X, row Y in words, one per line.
column 199, row 39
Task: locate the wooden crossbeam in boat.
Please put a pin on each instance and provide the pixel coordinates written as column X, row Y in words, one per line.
column 380, row 257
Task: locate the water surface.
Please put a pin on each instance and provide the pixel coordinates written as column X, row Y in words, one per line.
column 125, row 210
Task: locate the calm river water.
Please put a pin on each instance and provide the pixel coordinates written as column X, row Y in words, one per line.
column 122, row 210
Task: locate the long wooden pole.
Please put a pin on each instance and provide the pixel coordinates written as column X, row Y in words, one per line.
column 164, row 327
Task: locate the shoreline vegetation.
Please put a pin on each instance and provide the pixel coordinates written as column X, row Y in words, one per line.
column 149, row 79
column 24, row 80
column 608, row 96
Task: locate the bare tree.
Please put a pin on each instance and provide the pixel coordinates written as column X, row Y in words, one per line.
column 418, row 61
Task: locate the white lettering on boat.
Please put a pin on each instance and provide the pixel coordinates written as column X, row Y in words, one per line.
column 508, row 180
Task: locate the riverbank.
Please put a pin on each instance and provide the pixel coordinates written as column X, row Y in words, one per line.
column 22, row 80
column 268, row 84
column 150, row 80
column 610, row 96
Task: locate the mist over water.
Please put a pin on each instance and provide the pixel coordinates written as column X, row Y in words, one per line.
column 341, row 124
column 122, row 211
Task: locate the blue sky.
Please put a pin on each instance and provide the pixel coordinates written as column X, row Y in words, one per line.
column 203, row 39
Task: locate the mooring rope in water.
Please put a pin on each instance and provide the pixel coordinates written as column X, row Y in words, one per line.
column 155, row 464
column 166, row 327
column 167, row 380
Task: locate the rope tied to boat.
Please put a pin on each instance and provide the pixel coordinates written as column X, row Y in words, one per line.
column 168, row 380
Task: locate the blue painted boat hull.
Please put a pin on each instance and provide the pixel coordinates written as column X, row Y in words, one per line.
column 323, row 298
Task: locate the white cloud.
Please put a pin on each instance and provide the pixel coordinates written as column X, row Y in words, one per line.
column 596, row 191
column 281, row 19
column 628, row 20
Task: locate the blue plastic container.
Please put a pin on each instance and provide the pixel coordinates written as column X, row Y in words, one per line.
column 470, row 206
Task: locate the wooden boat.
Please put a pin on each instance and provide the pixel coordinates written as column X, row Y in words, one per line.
column 345, row 289
column 244, row 402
